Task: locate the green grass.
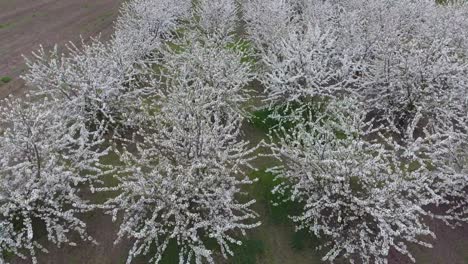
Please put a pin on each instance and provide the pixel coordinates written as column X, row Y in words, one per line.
column 267, row 119
column 245, row 47
column 446, row 2
column 282, row 242
column 6, row 79
column 248, row 252
column 39, row 14
column 5, row 25
column 109, row 180
column 300, row 239
column 261, row 119
column 176, row 48
column 278, row 209
column 170, row 255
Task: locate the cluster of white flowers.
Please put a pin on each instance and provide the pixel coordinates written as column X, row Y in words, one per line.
column 172, row 80
column 353, row 189
column 52, row 143
column 183, row 180
column 41, row 168
column 143, row 24
column 101, row 83
column 183, row 183
column 399, row 55
column 387, row 139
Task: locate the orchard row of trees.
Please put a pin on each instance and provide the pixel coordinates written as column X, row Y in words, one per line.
column 379, row 139
column 369, row 103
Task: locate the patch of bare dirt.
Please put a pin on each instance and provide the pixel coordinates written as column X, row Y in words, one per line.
column 103, row 230
column 450, row 247
column 26, row 24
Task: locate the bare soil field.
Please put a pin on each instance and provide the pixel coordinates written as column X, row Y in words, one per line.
column 26, row 24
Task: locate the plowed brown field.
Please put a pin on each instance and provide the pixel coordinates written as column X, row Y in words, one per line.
column 26, row 24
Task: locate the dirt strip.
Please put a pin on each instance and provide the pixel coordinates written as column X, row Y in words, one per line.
column 26, row 24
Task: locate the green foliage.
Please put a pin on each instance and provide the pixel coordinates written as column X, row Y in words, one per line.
column 8, row 256
column 262, row 120
column 269, row 118
column 341, row 135
column 447, row 2
column 171, row 254
column 111, row 161
column 6, row 79
column 6, row 25
column 299, row 239
column 304, row 240
column 278, row 207
column 176, row 48
column 246, row 48
column 247, row 252
column 355, row 184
